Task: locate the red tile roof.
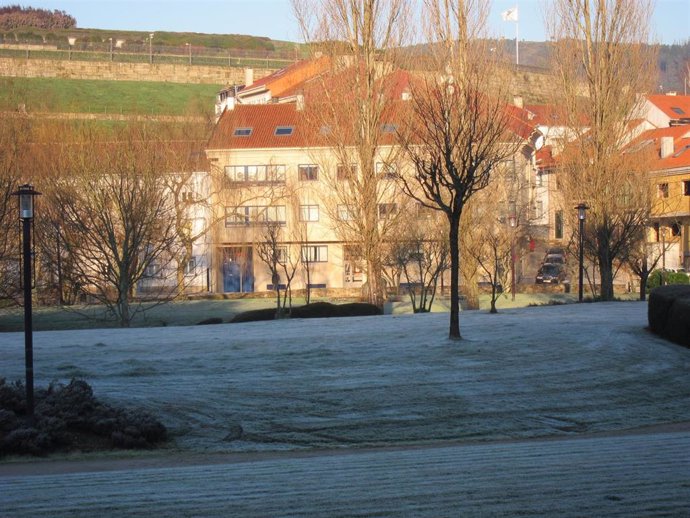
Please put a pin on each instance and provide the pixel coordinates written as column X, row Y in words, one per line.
column 651, row 139
column 545, row 158
column 667, row 103
column 288, row 79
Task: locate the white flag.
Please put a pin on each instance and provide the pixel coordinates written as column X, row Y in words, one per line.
column 511, row 15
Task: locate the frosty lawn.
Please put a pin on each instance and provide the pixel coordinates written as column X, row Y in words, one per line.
column 374, row 381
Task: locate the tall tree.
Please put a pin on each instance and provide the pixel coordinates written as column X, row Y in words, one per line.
column 359, row 38
column 459, row 129
column 602, row 63
column 14, row 134
column 117, row 220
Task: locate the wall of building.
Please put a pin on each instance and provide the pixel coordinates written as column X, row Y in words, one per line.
column 114, row 71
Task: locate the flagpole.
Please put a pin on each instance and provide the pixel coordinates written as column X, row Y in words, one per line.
column 517, row 37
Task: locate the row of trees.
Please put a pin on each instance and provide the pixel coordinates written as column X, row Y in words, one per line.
column 16, row 17
column 458, row 129
column 112, row 208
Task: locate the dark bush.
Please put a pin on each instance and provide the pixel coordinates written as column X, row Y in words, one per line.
column 70, row 417
column 210, row 321
column 669, row 313
column 256, row 315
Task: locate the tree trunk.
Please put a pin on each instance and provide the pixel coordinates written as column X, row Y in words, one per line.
column 454, row 239
column 643, row 286
column 605, row 274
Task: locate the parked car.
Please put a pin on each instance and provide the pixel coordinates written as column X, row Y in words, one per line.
column 554, row 259
column 550, row 274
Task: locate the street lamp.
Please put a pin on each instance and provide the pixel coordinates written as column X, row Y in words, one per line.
column 111, row 48
column 512, row 221
column 71, row 42
column 151, row 48
column 189, row 49
column 581, row 214
column 26, row 195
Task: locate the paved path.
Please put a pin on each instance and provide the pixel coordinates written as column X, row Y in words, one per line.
column 629, row 475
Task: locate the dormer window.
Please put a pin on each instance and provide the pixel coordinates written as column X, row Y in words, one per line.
column 283, row 131
column 242, row 132
column 388, row 128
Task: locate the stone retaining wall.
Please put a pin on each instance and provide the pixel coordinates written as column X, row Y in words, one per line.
column 114, row 71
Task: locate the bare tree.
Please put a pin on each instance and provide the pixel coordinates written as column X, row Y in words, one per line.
column 117, row 222
column 276, row 256
column 14, row 134
column 459, row 129
column 420, row 257
column 359, row 37
column 601, row 64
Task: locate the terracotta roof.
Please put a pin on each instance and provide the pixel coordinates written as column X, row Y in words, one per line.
column 288, row 78
column 681, row 146
column 546, row 115
column 545, row 158
column 257, row 123
column 673, row 106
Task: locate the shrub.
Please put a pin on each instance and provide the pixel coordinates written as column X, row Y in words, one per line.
column 66, row 414
column 314, row 310
column 669, row 313
column 657, row 276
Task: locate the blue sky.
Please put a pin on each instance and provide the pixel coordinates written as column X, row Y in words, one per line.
column 274, row 18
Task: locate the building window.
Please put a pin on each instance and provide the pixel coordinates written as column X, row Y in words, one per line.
column 308, row 172
column 677, row 110
column 424, row 212
column 283, row 131
column 309, row 213
column 255, row 173
column 388, row 128
column 558, row 224
column 314, row 253
column 254, row 215
column 539, row 179
column 387, row 210
column 153, row 270
column 675, row 230
column 662, row 190
column 281, row 254
column 344, row 172
column 242, row 132
column 686, row 187
column 345, row 213
column 190, row 267
column 386, row 170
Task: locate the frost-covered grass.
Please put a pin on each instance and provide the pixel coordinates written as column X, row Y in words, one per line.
column 394, row 379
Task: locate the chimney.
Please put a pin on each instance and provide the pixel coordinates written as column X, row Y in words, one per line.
column 517, row 101
column 248, row 77
column 300, row 102
column 666, row 147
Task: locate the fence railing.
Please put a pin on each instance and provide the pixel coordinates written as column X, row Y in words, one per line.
column 154, row 54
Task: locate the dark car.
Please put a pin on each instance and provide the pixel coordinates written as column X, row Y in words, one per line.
column 550, row 274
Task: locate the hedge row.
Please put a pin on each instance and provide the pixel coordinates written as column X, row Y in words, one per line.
column 669, row 313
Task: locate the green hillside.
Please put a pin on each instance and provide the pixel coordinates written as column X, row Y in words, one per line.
column 106, row 97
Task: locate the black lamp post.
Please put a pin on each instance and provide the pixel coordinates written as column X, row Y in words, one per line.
column 512, row 221
column 26, row 195
column 581, row 214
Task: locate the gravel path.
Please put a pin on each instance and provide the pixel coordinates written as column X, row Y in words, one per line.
column 633, row 475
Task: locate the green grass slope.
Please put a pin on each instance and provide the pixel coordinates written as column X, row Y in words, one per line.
column 106, row 97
